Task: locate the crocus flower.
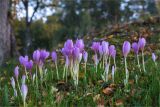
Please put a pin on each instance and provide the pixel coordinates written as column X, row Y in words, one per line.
column 141, row 43
column 13, row 82
column 105, row 46
column 69, row 44
column 100, row 51
column 113, row 54
column 68, row 48
column 24, row 91
column 126, row 48
column 16, row 72
column 95, row 46
column 85, row 56
column 36, row 56
column 44, row 55
column 23, row 60
column 153, row 57
column 54, row 56
column 135, row 47
column 76, row 52
column 112, row 50
column 13, row 85
column 79, row 44
column 29, row 65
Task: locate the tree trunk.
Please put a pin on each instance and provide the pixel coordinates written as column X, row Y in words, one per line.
column 5, row 31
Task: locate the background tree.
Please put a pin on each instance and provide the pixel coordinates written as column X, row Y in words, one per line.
column 5, row 30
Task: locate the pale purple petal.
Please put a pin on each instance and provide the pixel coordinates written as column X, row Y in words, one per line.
column 126, row 48
column 135, row 47
column 85, row 56
column 54, row 56
column 142, row 43
column 153, row 57
column 16, row 72
column 24, row 90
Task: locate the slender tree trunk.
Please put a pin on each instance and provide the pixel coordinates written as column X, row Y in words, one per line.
column 27, row 35
column 5, row 31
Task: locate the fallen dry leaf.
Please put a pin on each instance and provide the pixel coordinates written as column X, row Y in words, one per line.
column 119, row 102
column 112, row 85
column 108, row 91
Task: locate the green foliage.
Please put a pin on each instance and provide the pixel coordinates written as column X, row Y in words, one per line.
column 44, row 34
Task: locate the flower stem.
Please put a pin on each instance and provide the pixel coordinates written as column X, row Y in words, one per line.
column 143, row 62
column 57, row 71
column 26, row 72
column 19, row 87
column 103, row 62
column 96, row 68
column 85, row 71
column 24, row 103
column 127, row 73
column 115, row 63
column 138, row 62
column 64, row 71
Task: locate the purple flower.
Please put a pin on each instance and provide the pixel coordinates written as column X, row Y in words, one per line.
column 85, row 56
column 95, row 46
column 77, row 55
column 141, row 43
column 79, row 44
column 135, row 47
column 68, row 48
column 153, row 57
column 100, row 50
column 105, row 46
column 23, row 60
column 24, row 90
column 54, row 56
column 76, row 52
column 16, row 72
column 112, row 50
column 36, row 56
column 113, row 54
column 13, row 82
column 68, row 44
column 29, row 65
column 44, row 55
column 126, row 48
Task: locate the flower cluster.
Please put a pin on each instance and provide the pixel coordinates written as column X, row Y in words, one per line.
column 104, row 56
column 73, row 54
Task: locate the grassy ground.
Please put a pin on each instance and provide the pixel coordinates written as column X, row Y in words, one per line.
column 143, row 88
